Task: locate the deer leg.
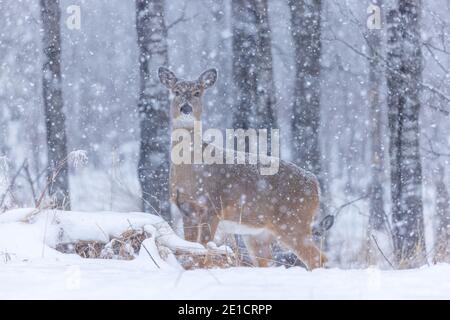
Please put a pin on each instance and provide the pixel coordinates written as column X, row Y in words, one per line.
column 213, row 223
column 310, row 255
column 259, row 249
column 192, row 221
column 209, row 226
column 200, row 224
column 304, row 249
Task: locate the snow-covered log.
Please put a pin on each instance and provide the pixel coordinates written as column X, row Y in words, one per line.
column 32, row 233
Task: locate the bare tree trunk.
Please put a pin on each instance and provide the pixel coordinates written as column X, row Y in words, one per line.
column 252, row 65
column 252, row 68
column 245, row 73
column 53, row 104
column 265, row 95
column 377, row 214
column 442, row 226
column 153, row 168
column 223, row 47
column 306, row 32
column 305, row 124
column 403, row 80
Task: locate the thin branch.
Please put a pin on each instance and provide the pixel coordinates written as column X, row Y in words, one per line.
column 142, row 244
column 437, row 92
column 428, row 43
column 350, row 46
column 386, row 65
column 381, row 251
column 428, row 47
column 432, row 150
column 181, row 18
column 30, row 181
column 338, row 210
column 423, row 85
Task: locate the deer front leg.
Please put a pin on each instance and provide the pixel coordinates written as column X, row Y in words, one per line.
column 258, row 247
column 200, row 224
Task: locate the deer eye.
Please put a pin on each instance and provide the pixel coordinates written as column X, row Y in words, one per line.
column 197, row 93
column 177, row 93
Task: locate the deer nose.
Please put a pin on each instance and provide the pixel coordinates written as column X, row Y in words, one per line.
column 186, row 109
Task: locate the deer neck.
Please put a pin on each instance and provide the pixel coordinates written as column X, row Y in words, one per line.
column 188, row 138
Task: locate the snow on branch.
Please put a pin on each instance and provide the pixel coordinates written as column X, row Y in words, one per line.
column 78, row 158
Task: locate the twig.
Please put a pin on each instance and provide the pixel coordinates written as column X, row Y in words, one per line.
column 438, row 62
column 436, row 91
column 432, row 151
column 338, row 210
column 103, row 231
column 142, row 244
column 386, row 64
column 50, row 179
column 381, row 251
column 181, row 18
column 30, row 181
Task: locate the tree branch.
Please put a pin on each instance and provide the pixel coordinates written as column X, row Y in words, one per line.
column 181, row 18
column 432, row 150
column 382, row 253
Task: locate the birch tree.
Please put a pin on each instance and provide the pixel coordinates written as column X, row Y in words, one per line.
column 266, row 96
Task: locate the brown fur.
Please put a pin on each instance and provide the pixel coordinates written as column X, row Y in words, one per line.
column 284, row 203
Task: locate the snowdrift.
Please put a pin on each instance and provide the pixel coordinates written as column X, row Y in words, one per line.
column 33, row 266
column 31, row 233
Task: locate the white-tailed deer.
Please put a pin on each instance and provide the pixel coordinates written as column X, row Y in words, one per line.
column 284, row 203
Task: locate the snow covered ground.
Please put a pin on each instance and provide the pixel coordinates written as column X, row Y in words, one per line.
column 112, row 279
column 31, row 269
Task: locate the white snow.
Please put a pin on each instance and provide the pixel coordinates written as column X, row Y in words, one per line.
column 30, row 233
column 138, row 279
column 31, row 269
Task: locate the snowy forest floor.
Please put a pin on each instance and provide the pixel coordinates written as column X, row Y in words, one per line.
column 31, row 268
column 112, row 279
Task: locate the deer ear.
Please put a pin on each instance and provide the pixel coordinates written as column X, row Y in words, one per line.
column 167, row 77
column 208, row 78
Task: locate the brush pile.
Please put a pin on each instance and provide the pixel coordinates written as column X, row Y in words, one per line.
column 105, row 235
column 129, row 244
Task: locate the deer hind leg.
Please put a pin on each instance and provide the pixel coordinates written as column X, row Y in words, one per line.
column 258, row 247
column 304, row 249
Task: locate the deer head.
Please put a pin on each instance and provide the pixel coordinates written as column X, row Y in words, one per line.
column 186, row 97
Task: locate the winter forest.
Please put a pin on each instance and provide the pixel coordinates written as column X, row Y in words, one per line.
column 360, row 93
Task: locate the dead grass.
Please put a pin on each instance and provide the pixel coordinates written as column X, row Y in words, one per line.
column 128, row 245
column 213, row 258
